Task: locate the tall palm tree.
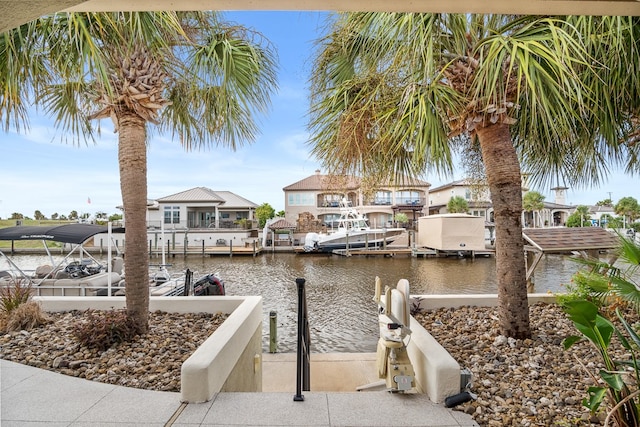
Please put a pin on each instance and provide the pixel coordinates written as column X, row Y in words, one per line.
column 187, row 73
column 396, row 94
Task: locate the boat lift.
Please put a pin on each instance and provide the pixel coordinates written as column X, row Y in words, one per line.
column 392, row 360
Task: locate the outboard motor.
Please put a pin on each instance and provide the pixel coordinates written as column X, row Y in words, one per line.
column 209, row 285
column 311, row 242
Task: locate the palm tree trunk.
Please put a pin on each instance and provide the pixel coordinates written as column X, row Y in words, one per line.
column 132, row 156
column 505, row 184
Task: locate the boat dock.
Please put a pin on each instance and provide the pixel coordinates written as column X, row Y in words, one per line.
column 209, row 251
column 414, row 252
column 388, row 252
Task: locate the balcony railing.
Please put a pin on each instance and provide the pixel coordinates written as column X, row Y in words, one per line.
column 225, row 224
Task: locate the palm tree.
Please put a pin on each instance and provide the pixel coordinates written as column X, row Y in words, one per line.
column 628, row 207
column 457, row 204
column 396, row 94
column 533, row 202
column 580, row 217
column 189, row 74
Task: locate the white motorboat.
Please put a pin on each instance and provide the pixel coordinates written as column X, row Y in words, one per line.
column 353, row 231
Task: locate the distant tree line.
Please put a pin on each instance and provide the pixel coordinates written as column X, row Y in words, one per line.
column 99, row 217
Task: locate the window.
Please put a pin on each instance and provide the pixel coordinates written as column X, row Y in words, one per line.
column 382, row 198
column 172, row 214
column 331, row 200
column 478, row 213
column 301, row 199
column 408, row 197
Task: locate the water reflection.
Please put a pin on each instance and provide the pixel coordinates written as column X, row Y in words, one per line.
column 342, row 314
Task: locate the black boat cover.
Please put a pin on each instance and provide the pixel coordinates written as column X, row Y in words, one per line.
column 65, row 233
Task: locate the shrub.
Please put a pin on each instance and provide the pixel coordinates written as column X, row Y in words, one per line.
column 605, row 289
column 619, row 378
column 11, row 297
column 102, row 329
column 26, row 316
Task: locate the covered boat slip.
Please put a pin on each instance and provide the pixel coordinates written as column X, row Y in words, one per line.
column 64, row 277
column 587, row 241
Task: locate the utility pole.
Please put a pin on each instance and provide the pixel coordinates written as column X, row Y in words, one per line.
column 609, row 193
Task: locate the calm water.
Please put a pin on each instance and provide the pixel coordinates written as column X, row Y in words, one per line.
column 342, row 314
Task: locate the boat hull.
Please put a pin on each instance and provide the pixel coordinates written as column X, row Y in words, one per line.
column 354, row 240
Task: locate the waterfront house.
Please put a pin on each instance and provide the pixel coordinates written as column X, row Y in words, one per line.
column 201, row 218
column 199, row 208
column 479, row 199
column 476, row 195
column 318, row 197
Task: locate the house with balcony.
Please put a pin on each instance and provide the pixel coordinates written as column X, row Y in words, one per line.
column 478, row 198
column 201, row 218
column 201, row 208
column 476, row 195
column 318, row 197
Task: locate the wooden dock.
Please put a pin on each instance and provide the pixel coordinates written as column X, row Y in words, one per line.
column 210, row 251
column 414, row 252
column 388, row 252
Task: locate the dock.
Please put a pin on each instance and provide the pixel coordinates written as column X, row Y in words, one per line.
column 388, row 252
column 414, row 252
column 209, row 251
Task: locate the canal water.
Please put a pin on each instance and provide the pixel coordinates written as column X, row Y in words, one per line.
column 342, row 313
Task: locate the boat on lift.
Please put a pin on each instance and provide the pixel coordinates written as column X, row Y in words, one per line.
column 353, row 230
column 86, row 276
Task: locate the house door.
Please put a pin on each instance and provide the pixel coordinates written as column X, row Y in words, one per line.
column 207, row 219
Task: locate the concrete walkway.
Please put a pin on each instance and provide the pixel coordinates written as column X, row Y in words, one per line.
column 36, row 397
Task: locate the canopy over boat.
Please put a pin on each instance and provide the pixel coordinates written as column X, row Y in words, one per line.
column 65, row 233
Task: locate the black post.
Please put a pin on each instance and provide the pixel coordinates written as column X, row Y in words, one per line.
column 302, row 364
column 187, row 283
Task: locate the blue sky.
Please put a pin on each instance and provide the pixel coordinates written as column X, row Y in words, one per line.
column 41, row 173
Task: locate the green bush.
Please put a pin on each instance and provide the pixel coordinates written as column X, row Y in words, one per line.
column 598, row 294
column 619, row 378
column 102, row 329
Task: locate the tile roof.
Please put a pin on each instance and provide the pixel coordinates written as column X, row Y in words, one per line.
column 319, row 182
column 569, row 239
column 324, row 182
column 281, row 224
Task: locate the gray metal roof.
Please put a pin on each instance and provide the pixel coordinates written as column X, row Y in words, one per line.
column 207, row 195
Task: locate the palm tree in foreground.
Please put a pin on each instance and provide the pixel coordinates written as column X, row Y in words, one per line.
column 187, row 73
column 396, row 94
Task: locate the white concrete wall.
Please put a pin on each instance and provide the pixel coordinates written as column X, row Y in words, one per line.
column 222, row 359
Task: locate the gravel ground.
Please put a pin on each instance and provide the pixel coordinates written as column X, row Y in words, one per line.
column 531, row 382
column 152, row 361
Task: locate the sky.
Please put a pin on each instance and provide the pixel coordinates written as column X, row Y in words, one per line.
column 39, row 172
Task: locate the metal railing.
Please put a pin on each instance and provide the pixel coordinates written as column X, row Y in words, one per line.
column 303, row 356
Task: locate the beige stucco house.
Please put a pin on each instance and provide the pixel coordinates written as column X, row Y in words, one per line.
column 477, row 196
column 479, row 199
column 319, row 195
